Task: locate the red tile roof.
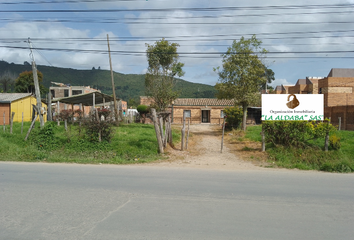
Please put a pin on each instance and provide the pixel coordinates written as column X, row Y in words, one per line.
column 203, row 102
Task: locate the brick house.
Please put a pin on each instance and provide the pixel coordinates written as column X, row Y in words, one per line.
column 338, row 91
column 200, row 110
column 203, row 110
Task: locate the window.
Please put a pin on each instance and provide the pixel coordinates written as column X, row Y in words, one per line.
column 66, row 92
column 222, row 114
column 320, row 91
column 53, row 93
column 77, row 92
column 187, row 113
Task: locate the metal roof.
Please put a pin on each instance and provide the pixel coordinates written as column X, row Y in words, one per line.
column 85, row 99
column 10, row 97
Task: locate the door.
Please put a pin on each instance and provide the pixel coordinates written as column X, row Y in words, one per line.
column 205, row 116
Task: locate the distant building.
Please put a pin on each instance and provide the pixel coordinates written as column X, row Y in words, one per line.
column 337, row 89
column 61, row 90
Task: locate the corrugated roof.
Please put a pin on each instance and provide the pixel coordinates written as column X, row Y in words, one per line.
column 203, row 102
column 10, row 97
column 86, row 99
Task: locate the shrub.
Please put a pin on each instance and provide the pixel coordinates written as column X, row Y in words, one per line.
column 295, row 133
column 233, row 117
column 334, row 142
column 104, row 112
column 143, row 109
column 94, row 127
column 66, row 115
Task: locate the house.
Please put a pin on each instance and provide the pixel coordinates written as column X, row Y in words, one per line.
column 338, row 92
column 200, row 110
column 203, row 110
column 19, row 103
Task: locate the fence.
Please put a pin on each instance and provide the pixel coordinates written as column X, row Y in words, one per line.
column 345, row 113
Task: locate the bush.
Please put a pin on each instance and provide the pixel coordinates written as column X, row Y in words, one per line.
column 233, row 117
column 295, row 133
column 94, row 127
column 143, row 109
column 66, row 115
column 334, row 142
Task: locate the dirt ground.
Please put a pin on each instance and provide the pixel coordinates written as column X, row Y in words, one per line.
column 204, row 151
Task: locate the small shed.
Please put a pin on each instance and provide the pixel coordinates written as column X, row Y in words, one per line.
column 18, row 103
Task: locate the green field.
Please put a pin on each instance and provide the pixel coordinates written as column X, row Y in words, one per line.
column 131, row 143
column 312, row 157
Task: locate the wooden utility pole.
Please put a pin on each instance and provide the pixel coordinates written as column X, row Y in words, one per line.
column 36, row 86
column 113, row 88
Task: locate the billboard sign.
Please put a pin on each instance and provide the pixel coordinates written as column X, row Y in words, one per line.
column 292, row 107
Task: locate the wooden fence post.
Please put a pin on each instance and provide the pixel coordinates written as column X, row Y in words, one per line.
column 161, row 128
column 100, row 131
column 12, row 121
column 22, row 124
column 339, row 123
column 222, row 138
column 32, row 124
column 170, row 140
column 183, row 130
column 327, row 138
column 187, row 135
column 4, row 121
column 263, row 139
column 157, row 130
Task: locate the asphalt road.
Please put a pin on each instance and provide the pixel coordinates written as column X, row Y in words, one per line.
column 59, row 201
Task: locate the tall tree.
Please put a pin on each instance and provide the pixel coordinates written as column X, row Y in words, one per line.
column 25, row 84
column 160, row 77
column 242, row 74
column 7, row 80
column 269, row 75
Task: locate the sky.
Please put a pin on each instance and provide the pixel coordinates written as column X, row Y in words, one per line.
column 303, row 38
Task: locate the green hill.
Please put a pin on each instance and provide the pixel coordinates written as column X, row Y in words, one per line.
column 128, row 86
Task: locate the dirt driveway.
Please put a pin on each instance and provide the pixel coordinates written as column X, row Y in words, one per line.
column 204, row 152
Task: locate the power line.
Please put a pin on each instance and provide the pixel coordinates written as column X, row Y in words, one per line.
column 180, row 53
column 213, row 9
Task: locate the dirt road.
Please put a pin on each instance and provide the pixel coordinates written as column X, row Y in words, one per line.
column 204, row 152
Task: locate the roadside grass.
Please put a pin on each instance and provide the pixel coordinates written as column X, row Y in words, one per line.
column 311, row 158
column 131, row 143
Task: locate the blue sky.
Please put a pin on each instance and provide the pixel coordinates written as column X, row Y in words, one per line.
column 304, row 38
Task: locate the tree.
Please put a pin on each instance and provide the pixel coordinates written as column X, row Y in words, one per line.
column 7, row 80
column 143, row 110
column 269, row 75
column 25, row 84
column 242, row 74
column 160, row 77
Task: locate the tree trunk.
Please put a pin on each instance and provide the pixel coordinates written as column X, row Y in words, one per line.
column 244, row 119
column 157, row 130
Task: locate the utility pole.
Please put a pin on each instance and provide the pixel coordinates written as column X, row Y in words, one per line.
column 36, row 86
column 116, row 115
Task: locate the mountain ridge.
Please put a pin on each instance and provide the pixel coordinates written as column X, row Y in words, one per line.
column 127, row 86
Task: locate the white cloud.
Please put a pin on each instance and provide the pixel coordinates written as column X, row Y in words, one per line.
column 183, row 26
column 278, row 82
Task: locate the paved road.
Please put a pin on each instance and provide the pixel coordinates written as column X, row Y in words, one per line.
column 58, row 201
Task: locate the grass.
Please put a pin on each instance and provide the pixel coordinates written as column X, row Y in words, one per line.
column 133, row 143
column 313, row 157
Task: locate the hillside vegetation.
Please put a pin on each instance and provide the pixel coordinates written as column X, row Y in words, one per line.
column 128, row 86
